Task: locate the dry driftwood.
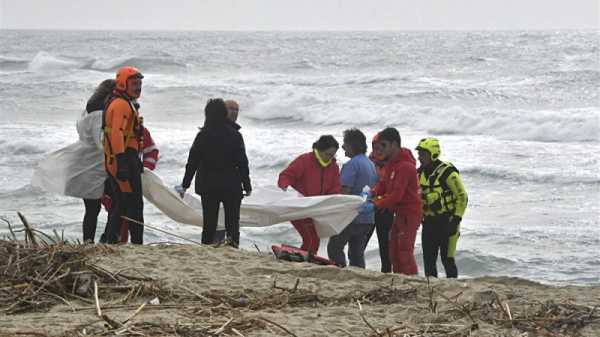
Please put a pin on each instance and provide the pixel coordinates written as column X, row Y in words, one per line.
column 43, row 271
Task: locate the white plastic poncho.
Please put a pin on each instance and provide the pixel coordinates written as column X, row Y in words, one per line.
column 266, row 207
column 78, row 169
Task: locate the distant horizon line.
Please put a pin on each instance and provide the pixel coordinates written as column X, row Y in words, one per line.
column 302, row 30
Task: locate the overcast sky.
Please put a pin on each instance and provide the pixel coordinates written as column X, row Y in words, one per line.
column 300, row 14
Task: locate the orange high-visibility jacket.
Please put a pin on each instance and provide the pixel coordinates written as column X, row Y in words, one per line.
column 121, row 121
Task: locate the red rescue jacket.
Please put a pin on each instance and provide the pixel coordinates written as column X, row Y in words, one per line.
column 308, row 177
column 150, row 151
column 398, row 189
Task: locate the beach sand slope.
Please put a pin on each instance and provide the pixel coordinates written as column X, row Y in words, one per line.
column 206, row 291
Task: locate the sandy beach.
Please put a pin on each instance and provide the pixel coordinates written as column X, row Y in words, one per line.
column 206, row 291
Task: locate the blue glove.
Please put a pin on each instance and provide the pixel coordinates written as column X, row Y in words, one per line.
column 180, row 190
column 367, row 193
column 367, row 207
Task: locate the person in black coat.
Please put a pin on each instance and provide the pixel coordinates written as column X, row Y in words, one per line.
column 218, row 158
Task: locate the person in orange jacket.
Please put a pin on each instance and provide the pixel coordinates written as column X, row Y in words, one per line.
column 123, row 138
column 398, row 192
column 150, row 159
column 313, row 173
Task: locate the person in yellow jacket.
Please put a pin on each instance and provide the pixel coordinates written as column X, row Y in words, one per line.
column 444, row 203
column 123, row 137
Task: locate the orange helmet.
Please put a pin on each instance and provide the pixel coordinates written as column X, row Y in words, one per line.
column 125, row 73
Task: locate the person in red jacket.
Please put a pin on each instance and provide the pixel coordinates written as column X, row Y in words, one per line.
column 149, row 152
column 313, row 173
column 398, row 192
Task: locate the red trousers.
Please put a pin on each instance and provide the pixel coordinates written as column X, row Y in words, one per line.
column 308, row 232
column 402, row 244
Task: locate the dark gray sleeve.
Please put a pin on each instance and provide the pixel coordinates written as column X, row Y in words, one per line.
column 242, row 164
column 193, row 162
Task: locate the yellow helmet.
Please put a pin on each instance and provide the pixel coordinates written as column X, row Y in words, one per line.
column 431, row 145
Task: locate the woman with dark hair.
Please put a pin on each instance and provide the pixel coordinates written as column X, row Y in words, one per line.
column 218, row 158
column 313, row 173
column 95, row 105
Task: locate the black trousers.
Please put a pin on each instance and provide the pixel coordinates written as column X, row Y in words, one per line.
column 211, row 201
column 90, row 219
column 129, row 204
column 434, row 239
column 383, row 224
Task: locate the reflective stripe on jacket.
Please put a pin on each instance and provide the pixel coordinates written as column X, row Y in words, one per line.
column 150, row 151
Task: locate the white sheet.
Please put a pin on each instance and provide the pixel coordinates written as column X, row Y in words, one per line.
column 266, row 207
column 78, row 171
